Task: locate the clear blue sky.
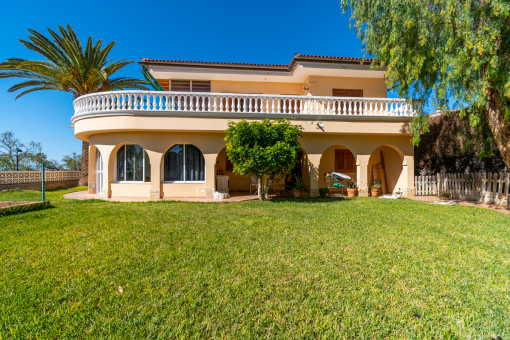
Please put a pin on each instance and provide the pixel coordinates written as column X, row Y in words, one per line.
column 239, row 31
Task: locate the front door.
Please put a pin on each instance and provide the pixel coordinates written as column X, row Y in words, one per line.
column 99, row 173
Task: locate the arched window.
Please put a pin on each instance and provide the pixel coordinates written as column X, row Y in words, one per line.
column 133, row 164
column 184, row 163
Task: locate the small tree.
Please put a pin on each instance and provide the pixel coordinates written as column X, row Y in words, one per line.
column 263, row 149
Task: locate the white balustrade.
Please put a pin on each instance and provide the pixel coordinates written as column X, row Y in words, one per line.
column 239, row 104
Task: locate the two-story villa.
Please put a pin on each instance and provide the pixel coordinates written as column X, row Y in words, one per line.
column 170, row 143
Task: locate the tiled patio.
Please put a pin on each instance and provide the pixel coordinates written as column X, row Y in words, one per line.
column 234, row 197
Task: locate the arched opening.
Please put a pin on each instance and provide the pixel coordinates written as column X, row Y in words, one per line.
column 337, row 158
column 132, row 164
column 238, row 183
column 183, row 163
column 385, row 163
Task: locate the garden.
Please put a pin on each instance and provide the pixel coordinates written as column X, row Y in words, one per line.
column 354, row 268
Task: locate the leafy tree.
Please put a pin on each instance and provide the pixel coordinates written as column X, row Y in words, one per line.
column 72, row 162
column 437, row 49
column 263, row 149
column 68, row 67
column 30, row 156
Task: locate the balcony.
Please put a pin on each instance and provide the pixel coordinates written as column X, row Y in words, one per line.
column 234, row 105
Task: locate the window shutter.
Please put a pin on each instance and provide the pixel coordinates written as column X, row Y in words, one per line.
column 181, row 85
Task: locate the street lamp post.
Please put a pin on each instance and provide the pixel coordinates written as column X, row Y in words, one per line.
column 18, row 150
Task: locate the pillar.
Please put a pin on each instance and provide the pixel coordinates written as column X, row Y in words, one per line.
column 210, row 174
column 156, row 178
column 408, row 171
column 362, row 174
column 313, row 163
column 92, row 169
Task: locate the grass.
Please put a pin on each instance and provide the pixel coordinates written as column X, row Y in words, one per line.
column 363, row 268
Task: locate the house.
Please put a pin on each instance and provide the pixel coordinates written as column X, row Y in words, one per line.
column 170, row 143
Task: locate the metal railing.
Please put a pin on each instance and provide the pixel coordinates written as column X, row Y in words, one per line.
column 241, row 104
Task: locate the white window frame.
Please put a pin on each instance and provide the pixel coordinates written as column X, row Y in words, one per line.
column 184, row 166
column 125, row 166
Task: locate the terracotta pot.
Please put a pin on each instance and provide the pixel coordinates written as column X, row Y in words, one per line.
column 375, row 192
column 297, row 193
column 351, row 192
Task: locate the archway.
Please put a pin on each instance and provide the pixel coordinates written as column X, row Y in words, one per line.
column 385, row 163
column 337, row 158
column 240, row 183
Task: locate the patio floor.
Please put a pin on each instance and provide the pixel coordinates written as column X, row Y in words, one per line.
column 234, row 197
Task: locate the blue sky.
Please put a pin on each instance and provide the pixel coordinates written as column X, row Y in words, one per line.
column 239, row 31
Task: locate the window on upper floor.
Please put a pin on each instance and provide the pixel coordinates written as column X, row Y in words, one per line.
column 190, row 85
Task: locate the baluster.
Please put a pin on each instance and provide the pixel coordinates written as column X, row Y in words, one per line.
column 349, row 110
column 278, row 105
column 178, row 102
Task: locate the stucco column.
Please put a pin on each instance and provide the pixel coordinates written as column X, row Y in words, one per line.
column 92, row 169
column 313, row 164
column 156, row 178
column 408, row 171
column 210, row 174
column 362, row 174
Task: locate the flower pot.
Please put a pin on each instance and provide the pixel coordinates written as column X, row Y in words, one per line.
column 375, row 192
column 297, row 193
column 351, row 192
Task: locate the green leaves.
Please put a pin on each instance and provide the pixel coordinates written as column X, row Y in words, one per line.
column 436, row 51
column 264, row 148
column 68, row 67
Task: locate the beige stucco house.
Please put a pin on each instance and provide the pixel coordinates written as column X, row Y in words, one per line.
column 170, row 143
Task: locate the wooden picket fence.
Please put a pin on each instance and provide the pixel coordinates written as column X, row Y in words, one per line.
column 483, row 187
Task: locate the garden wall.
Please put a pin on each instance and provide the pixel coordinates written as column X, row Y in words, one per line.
column 32, row 180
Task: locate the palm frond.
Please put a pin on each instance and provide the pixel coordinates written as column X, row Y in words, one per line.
column 67, row 66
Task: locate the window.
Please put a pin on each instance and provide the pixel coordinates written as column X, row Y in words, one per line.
column 344, row 161
column 133, row 164
column 184, row 163
column 347, row 93
column 191, row 85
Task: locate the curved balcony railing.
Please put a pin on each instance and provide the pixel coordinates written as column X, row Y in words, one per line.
column 238, row 104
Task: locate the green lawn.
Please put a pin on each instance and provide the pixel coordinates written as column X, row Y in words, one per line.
column 363, row 268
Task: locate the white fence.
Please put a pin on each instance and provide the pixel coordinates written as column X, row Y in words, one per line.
column 486, row 187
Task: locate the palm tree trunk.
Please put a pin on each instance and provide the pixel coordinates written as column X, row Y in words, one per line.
column 84, row 179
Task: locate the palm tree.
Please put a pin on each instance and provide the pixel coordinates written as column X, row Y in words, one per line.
column 67, row 67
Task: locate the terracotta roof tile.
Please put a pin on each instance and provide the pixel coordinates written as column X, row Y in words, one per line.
column 275, row 67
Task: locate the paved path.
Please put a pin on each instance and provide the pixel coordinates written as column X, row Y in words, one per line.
column 84, row 195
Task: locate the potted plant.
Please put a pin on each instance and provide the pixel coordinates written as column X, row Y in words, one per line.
column 324, row 192
column 299, row 187
column 351, row 189
column 376, row 188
